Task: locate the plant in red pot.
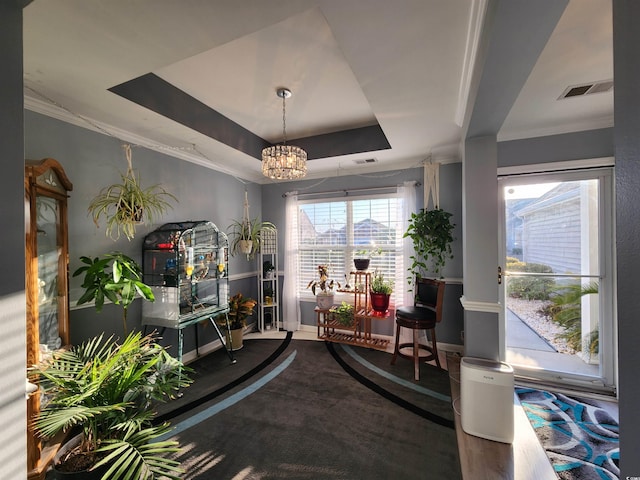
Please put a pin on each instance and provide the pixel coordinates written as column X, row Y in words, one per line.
column 380, row 292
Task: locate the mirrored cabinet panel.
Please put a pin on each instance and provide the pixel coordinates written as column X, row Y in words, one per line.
column 47, row 287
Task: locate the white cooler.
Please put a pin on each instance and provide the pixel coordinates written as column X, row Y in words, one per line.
column 487, row 399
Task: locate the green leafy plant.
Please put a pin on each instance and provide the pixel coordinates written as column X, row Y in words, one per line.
column 107, row 390
column 245, row 236
column 323, row 283
column 529, row 288
column 115, row 277
column 126, row 205
column 566, row 311
column 431, row 233
column 368, row 253
column 239, row 309
column 380, row 285
column 343, row 313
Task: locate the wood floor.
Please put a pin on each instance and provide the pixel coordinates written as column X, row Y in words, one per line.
column 483, row 459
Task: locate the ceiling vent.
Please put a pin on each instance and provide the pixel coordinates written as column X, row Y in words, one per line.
column 362, row 161
column 587, row 89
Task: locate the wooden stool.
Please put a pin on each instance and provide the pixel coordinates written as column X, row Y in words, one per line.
column 424, row 315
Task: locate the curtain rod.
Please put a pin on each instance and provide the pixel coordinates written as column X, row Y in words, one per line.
column 347, row 192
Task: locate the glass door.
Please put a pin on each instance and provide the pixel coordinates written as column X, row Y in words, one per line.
column 557, row 291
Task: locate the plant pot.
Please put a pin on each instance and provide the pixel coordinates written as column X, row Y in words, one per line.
column 361, row 263
column 81, row 475
column 60, row 471
column 245, row 246
column 324, row 301
column 379, row 301
column 234, row 339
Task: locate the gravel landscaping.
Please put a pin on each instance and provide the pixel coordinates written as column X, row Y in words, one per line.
column 529, row 312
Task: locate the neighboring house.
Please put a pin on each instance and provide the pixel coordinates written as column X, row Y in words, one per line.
column 556, row 228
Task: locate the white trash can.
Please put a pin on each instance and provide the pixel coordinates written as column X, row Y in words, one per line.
column 487, row 399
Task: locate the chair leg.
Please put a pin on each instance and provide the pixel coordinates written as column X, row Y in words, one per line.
column 416, row 355
column 396, row 348
column 434, row 347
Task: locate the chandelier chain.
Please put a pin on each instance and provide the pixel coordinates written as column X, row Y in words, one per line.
column 284, row 120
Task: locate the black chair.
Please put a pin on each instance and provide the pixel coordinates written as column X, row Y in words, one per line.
column 423, row 315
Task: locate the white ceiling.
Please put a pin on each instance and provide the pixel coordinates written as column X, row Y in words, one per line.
column 350, row 63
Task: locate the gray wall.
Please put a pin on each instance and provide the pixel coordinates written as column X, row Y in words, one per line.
column 93, row 160
column 556, row 148
column 626, row 36
column 13, row 455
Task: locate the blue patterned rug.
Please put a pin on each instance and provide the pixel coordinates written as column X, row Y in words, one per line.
column 580, row 437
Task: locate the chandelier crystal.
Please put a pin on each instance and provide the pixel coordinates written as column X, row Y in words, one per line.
column 284, row 162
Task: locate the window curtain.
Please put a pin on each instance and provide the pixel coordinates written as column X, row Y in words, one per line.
column 407, row 193
column 408, row 205
column 290, row 300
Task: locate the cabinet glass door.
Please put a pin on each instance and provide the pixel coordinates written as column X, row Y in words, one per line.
column 49, row 251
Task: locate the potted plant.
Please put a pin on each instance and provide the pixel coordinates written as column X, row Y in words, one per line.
column 244, row 236
column 362, row 258
column 322, row 288
column 380, row 291
column 268, row 294
column 105, row 390
column 343, row 313
column 127, row 204
column 268, row 269
column 240, row 308
column 431, row 233
column 115, row 277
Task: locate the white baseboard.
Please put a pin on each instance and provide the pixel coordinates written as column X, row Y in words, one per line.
column 202, row 350
column 217, row 344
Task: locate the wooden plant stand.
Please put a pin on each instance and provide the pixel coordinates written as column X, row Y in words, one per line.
column 359, row 332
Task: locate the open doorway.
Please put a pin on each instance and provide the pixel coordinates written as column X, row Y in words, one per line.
column 557, row 290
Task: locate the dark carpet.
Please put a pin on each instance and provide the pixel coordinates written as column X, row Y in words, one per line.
column 308, row 410
column 580, row 437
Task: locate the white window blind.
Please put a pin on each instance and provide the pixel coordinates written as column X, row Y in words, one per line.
column 332, row 232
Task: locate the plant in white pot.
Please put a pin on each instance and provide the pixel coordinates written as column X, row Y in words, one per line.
column 244, row 236
column 322, row 288
column 106, row 390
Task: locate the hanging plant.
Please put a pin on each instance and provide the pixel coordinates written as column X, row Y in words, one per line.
column 126, row 205
column 244, row 235
column 431, row 233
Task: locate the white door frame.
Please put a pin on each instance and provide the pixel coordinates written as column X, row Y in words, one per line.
column 608, row 323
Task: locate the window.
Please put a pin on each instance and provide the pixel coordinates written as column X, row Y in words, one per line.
column 332, row 232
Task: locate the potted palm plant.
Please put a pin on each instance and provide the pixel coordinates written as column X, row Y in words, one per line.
column 127, row 204
column 240, row 307
column 380, row 291
column 322, row 288
column 106, row 391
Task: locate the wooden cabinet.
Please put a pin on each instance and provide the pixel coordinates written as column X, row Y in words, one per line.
column 47, row 285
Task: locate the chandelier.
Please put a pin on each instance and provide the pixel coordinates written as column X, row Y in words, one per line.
column 284, row 162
